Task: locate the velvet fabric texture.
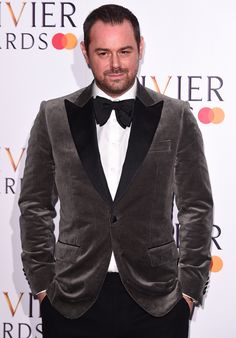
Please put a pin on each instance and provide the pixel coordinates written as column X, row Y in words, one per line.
column 165, row 158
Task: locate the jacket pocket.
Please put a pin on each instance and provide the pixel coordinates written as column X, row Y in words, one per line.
column 164, row 254
column 67, row 252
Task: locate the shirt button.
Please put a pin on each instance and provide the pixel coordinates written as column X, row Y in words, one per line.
column 113, row 219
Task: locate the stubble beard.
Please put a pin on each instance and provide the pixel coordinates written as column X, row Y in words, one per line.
column 115, row 87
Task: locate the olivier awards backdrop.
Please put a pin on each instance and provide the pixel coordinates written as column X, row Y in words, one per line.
column 190, row 53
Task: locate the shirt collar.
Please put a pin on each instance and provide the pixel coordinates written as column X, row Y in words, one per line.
column 130, row 94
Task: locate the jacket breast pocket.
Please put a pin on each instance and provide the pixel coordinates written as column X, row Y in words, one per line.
column 161, row 146
column 67, row 252
column 163, row 255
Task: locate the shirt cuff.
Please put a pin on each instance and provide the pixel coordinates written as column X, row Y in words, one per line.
column 191, row 298
column 40, row 292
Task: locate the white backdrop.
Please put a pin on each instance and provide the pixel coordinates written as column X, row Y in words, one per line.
column 190, row 49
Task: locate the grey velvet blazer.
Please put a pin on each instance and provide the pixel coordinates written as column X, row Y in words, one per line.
column 164, row 159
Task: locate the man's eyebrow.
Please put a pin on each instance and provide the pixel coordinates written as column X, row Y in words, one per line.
column 127, row 47
column 100, row 49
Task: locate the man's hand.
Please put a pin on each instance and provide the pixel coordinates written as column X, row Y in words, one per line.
column 190, row 303
column 41, row 296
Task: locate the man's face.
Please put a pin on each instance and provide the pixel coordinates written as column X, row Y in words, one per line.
column 113, row 56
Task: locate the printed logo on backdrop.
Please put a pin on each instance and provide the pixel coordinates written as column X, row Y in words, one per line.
column 10, row 160
column 37, row 25
column 12, row 304
column 195, row 89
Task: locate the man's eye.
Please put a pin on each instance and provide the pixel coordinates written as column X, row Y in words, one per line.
column 102, row 53
column 125, row 52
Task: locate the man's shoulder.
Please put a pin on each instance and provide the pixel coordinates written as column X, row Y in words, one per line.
column 53, row 108
column 73, row 97
column 167, row 99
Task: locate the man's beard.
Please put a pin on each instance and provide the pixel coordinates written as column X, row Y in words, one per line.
column 115, row 87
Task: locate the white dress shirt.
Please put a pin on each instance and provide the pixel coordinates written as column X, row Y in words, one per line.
column 112, row 143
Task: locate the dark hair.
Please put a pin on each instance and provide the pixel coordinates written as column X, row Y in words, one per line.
column 113, row 14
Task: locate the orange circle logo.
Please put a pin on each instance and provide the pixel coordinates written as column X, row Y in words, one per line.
column 64, row 41
column 216, row 264
column 211, row 115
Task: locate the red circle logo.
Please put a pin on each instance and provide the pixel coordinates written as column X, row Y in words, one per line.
column 211, row 115
column 64, row 41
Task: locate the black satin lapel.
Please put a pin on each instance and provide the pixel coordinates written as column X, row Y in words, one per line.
column 143, row 128
column 83, row 129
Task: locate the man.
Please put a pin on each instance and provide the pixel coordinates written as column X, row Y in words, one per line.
column 115, row 166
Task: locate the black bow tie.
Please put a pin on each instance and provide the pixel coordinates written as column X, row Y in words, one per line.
column 123, row 110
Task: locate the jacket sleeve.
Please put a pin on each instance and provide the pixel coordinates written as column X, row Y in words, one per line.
column 195, row 208
column 37, row 205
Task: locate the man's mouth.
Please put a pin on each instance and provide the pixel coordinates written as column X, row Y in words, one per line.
column 116, row 73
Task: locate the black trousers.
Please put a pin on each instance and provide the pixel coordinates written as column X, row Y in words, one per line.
column 115, row 315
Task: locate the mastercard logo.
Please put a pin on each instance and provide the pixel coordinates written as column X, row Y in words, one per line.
column 216, row 264
column 64, row 41
column 211, row 115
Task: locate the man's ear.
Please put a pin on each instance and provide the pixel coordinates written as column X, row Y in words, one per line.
column 141, row 48
column 84, row 51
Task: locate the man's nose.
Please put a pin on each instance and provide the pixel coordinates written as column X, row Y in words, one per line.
column 115, row 61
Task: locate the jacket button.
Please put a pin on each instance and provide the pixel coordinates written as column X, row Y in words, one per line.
column 113, row 219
